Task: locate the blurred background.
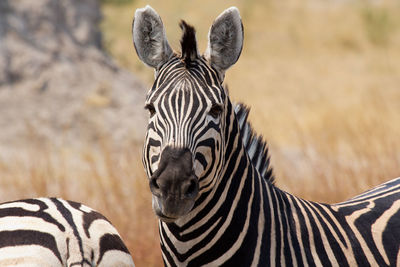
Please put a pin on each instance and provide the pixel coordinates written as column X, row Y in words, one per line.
column 322, row 79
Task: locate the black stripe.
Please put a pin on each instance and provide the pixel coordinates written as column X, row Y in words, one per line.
column 29, row 237
column 333, row 243
column 294, row 242
column 111, row 242
column 42, row 213
column 391, row 238
column 68, row 217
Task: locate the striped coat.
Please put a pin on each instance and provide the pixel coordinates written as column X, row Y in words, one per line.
column 55, row 232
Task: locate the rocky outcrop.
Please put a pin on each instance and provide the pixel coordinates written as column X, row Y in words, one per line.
column 56, row 84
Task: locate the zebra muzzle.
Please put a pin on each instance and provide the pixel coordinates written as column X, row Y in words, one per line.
column 174, row 185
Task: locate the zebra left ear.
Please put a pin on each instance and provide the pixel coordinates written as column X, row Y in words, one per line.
column 225, row 40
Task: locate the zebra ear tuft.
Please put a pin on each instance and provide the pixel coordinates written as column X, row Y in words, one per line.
column 149, row 37
column 225, row 40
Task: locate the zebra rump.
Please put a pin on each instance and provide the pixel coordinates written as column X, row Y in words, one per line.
column 56, row 232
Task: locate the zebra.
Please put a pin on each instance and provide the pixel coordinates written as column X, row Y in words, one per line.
column 55, row 232
column 210, row 177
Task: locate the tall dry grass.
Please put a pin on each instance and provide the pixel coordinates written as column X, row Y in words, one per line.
column 323, row 81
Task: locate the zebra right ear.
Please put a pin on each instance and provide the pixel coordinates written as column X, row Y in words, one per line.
column 149, row 37
column 225, row 40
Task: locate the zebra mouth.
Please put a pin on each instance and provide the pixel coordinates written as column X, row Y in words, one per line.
column 162, row 216
column 166, row 219
column 169, row 211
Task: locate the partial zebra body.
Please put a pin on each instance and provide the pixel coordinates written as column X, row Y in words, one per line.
column 210, row 176
column 363, row 231
column 55, row 232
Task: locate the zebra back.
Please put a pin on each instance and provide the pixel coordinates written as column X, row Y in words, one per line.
column 56, row 232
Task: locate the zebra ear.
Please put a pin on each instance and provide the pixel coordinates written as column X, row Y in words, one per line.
column 225, row 40
column 149, row 37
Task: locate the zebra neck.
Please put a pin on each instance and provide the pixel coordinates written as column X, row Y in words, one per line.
column 243, row 214
column 228, row 218
column 262, row 217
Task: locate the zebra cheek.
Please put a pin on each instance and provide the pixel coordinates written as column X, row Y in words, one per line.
column 154, row 158
column 202, row 162
column 198, row 169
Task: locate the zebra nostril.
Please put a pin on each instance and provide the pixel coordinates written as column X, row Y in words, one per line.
column 191, row 188
column 153, row 182
column 154, row 187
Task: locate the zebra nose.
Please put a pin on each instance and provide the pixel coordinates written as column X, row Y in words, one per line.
column 175, row 177
column 186, row 189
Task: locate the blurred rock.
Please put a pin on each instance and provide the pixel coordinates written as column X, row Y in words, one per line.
column 57, row 86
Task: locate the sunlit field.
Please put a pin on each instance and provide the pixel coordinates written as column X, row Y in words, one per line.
column 322, row 79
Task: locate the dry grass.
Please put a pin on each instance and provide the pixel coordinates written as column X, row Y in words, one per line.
column 323, row 81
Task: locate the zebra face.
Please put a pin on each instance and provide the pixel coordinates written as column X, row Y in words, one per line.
column 184, row 143
column 184, row 147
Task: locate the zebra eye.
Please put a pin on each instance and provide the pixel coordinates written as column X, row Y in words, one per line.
column 215, row 111
column 151, row 109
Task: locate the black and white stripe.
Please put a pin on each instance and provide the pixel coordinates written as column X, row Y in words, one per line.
column 56, row 232
column 239, row 217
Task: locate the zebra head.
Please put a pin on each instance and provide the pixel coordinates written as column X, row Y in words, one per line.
column 189, row 109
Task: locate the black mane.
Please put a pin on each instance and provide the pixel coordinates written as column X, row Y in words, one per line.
column 188, row 43
column 256, row 147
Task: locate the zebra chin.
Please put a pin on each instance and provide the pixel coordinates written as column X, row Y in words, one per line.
column 170, row 210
